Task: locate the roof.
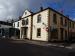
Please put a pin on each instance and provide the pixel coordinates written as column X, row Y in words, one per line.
column 52, row 10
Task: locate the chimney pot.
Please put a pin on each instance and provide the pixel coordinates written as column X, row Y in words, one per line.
column 41, row 8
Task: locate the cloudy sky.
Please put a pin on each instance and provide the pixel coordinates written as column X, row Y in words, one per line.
column 15, row 8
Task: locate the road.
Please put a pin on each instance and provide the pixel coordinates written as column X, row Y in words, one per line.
column 7, row 47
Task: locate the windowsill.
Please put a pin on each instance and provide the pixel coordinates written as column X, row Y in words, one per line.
column 38, row 22
column 38, row 36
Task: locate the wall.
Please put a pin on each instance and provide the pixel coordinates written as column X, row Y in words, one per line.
column 16, row 23
column 28, row 26
column 44, row 33
column 58, row 26
column 27, row 13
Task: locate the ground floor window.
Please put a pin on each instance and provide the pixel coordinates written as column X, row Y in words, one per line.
column 61, row 32
column 54, row 34
column 38, row 32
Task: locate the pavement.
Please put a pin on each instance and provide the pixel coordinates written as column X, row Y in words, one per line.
column 61, row 45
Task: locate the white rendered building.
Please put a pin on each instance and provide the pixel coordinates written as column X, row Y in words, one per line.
column 45, row 25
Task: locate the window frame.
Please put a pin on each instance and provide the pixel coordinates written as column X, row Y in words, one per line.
column 13, row 25
column 23, row 22
column 55, row 18
column 72, row 25
column 26, row 21
column 38, row 32
column 39, row 18
column 61, row 20
column 25, row 13
column 66, row 22
column 18, row 24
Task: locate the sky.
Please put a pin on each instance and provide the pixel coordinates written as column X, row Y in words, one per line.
column 12, row 9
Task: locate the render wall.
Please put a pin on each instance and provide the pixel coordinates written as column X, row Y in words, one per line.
column 44, row 33
column 28, row 26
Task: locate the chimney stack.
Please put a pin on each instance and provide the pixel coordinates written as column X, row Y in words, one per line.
column 41, row 8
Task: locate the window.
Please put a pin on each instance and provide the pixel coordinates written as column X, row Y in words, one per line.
column 23, row 22
column 65, row 22
column 55, row 18
column 26, row 22
column 25, row 13
column 18, row 24
column 61, row 20
column 38, row 32
column 39, row 18
column 72, row 25
column 14, row 25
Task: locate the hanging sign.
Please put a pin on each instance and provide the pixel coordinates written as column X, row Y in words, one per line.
column 46, row 28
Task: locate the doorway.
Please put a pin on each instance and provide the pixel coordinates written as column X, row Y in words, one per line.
column 24, row 32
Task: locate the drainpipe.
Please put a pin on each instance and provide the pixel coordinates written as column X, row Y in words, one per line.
column 68, row 31
column 31, row 27
column 49, row 35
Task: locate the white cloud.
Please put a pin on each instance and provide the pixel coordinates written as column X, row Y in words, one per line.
column 11, row 8
column 15, row 8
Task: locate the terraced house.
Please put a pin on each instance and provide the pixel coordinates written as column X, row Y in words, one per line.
column 45, row 25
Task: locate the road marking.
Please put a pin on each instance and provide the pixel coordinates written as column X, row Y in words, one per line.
column 61, row 46
column 54, row 45
column 49, row 44
column 68, row 47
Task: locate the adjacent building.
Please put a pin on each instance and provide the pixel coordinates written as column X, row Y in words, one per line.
column 4, row 28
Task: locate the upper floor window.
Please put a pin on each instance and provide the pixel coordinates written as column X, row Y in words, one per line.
column 55, row 18
column 70, row 24
column 26, row 22
column 39, row 18
column 61, row 20
column 23, row 22
column 18, row 24
column 38, row 32
column 25, row 13
column 66, row 22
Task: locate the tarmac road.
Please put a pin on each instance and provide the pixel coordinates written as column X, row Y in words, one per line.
column 8, row 48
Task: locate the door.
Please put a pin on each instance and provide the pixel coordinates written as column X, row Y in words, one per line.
column 24, row 32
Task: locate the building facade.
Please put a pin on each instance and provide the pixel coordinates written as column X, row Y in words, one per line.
column 4, row 29
column 45, row 25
